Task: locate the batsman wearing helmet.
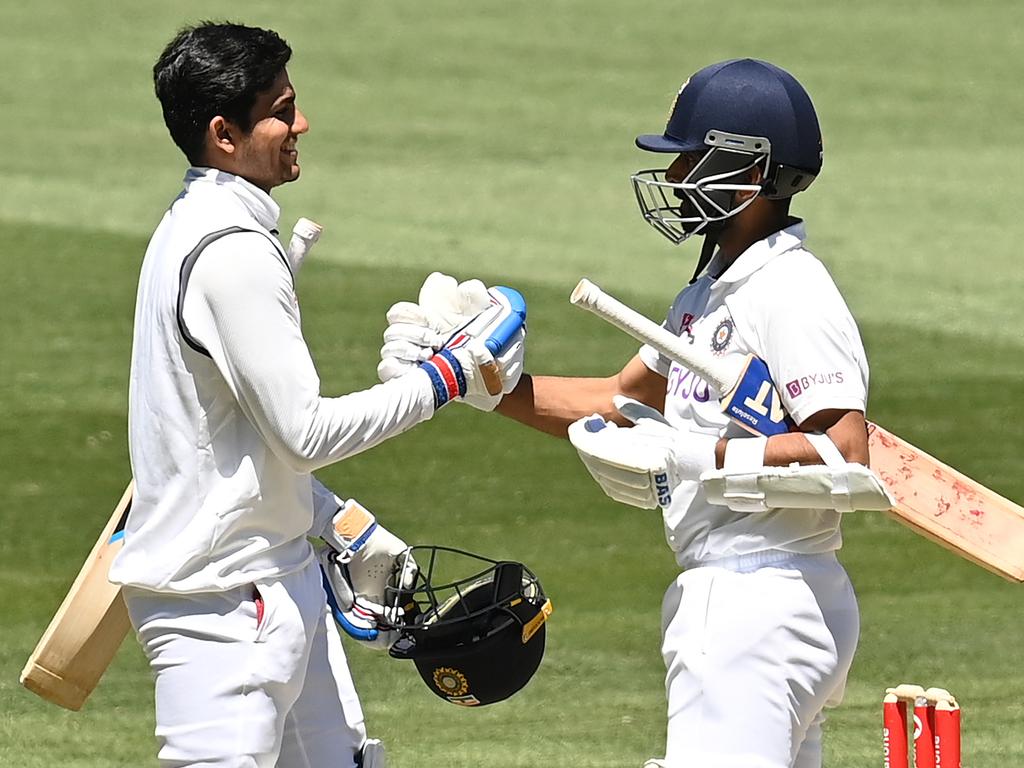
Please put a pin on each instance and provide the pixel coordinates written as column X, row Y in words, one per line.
column 760, row 627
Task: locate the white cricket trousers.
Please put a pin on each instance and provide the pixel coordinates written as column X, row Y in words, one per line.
column 755, row 648
column 245, row 685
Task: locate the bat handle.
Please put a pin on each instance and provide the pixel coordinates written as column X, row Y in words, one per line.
column 305, row 233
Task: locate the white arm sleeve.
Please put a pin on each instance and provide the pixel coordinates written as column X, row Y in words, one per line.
column 326, row 504
column 240, row 305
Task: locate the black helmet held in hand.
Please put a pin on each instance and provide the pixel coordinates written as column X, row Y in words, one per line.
column 474, row 627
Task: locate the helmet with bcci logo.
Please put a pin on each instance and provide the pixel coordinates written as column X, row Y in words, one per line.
column 733, row 116
column 474, row 627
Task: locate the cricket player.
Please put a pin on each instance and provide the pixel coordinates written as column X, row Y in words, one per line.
column 226, row 425
column 760, row 627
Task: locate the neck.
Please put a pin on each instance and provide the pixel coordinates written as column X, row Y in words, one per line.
column 736, row 239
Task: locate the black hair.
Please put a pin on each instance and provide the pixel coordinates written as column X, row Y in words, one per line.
column 215, row 69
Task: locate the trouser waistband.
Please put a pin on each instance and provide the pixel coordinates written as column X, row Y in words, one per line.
column 767, row 558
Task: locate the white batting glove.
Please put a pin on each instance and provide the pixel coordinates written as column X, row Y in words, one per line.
column 451, row 315
column 642, row 464
column 361, row 561
column 417, row 330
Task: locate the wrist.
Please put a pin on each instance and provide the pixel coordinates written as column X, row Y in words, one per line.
column 447, row 377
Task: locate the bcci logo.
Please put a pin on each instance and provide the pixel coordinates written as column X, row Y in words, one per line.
column 450, row 682
column 722, row 336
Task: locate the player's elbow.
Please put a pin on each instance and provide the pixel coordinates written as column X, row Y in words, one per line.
column 850, row 435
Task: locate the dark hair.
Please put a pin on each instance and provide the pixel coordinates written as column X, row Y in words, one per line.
column 214, row 69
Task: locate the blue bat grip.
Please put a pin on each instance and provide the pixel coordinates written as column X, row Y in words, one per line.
column 501, row 336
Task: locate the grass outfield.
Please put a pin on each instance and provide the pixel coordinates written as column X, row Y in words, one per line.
column 495, row 139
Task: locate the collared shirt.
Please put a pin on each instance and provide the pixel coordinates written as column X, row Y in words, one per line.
column 778, row 302
column 226, row 420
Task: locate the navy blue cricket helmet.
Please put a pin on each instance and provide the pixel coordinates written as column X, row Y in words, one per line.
column 740, row 114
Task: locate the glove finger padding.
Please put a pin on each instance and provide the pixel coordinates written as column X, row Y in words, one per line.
column 443, row 297
column 357, row 618
column 413, row 334
column 627, row 470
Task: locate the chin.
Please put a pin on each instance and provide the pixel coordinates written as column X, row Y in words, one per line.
column 290, row 175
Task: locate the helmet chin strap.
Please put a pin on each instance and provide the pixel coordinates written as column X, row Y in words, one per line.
column 707, row 250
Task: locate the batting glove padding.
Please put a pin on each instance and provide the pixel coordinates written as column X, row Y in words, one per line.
column 454, row 316
column 361, row 561
column 642, row 464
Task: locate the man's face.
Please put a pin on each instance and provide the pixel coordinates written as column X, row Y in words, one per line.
column 267, row 155
column 675, row 174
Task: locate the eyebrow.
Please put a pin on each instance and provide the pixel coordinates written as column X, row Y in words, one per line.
column 287, row 97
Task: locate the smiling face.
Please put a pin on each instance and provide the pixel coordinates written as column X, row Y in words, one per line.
column 266, row 155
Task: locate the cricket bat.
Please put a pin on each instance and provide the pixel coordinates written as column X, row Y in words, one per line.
column 87, row 629
column 932, row 498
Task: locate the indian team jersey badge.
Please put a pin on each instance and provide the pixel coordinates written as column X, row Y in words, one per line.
column 722, row 336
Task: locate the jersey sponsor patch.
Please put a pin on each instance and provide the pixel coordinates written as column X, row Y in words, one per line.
column 801, row 384
column 684, row 383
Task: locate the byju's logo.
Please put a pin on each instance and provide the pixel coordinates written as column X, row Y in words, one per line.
column 796, row 387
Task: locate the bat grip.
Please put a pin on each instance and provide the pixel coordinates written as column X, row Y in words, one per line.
column 590, row 297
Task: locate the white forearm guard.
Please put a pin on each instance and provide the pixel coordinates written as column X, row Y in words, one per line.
column 838, row 484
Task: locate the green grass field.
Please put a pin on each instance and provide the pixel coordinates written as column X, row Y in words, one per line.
column 495, row 140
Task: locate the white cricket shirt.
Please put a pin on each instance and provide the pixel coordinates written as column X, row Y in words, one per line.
column 776, row 301
column 226, row 421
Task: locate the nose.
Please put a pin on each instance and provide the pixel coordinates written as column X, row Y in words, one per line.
column 300, row 124
column 678, row 170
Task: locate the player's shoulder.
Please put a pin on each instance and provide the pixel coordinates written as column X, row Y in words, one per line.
column 797, row 266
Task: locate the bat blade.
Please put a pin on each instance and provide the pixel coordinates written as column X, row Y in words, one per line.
column 87, row 629
column 946, row 506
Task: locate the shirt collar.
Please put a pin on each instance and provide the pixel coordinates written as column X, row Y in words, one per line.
column 761, row 252
column 257, row 202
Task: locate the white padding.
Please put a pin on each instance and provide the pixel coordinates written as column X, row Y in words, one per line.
column 745, row 454
column 844, row 488
column 826, row 449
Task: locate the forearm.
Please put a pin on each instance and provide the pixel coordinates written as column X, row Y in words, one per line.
column 551, row 403
column 325, row 506
column 242, row 310
column 847, row 430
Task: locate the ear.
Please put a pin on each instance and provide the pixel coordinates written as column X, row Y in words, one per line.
column 754, row 176
column 221, row 135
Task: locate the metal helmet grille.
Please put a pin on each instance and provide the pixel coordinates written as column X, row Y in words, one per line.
column 706, row 195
